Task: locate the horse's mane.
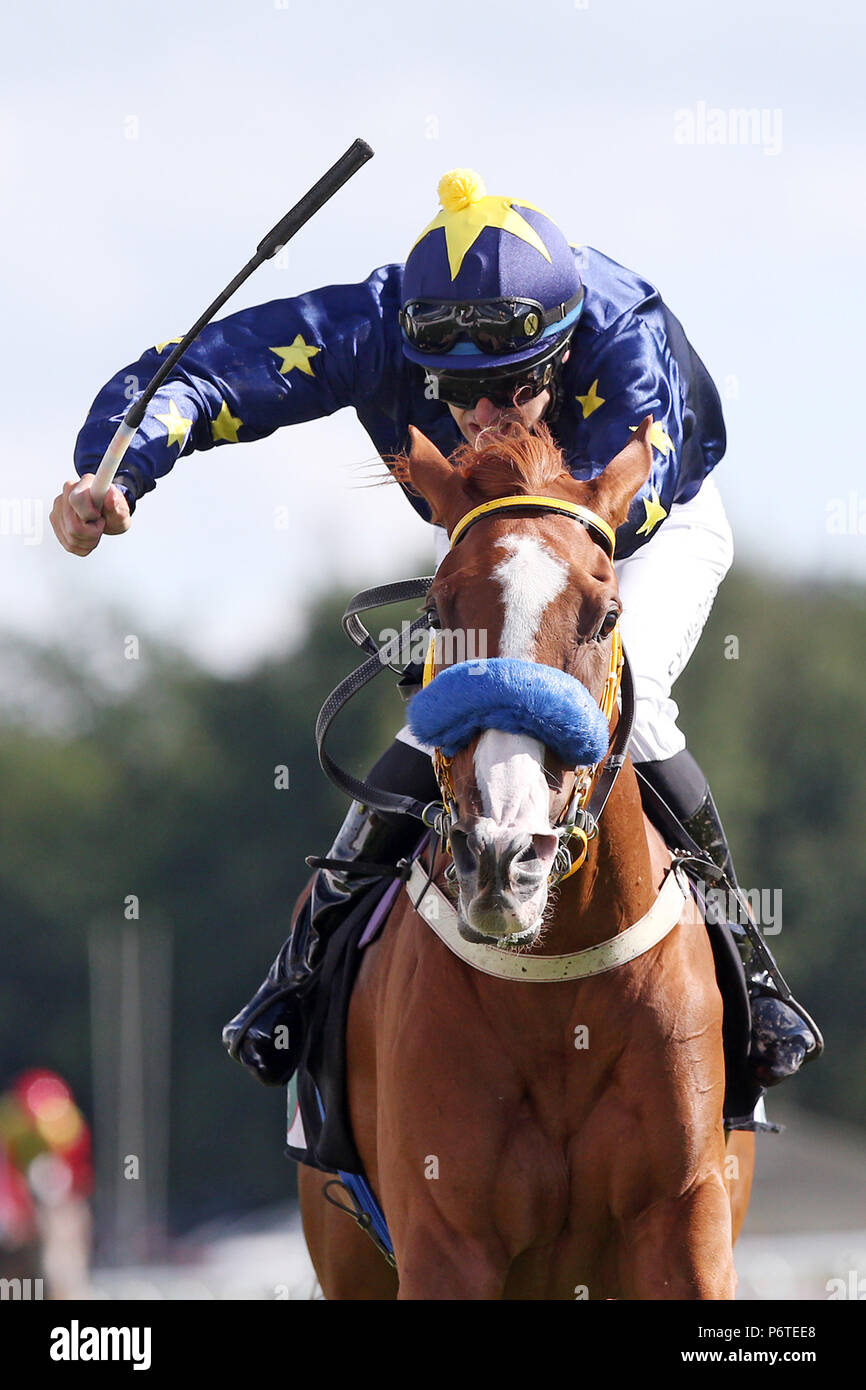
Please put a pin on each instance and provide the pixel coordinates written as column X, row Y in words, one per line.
column 521, row 461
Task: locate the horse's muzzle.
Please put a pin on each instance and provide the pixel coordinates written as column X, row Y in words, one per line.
column 503, row 876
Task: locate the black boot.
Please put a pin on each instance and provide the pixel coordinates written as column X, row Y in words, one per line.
column 780, row 1037
column 269, row 1033
column 372, row 838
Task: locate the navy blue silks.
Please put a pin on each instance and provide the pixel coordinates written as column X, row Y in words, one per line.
column 299, row 359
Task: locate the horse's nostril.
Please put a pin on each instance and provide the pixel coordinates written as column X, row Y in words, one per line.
column 497, row 861
column 545, row 847
column 516, row 852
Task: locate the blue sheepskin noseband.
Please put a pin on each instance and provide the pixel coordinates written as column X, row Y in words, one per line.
column 520, row 697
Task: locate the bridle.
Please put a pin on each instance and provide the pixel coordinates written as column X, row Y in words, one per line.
column 577, row 823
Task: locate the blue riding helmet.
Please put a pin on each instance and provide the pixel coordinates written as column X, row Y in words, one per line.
column 490, row 287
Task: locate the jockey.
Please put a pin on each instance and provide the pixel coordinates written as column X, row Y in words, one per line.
column 494, row 315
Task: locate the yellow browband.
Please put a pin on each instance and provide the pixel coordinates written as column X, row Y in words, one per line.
column 606, row 534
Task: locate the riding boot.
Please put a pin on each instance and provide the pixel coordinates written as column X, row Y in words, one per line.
column 780, row 1036
column 369, row 837
column 268, row 1034
column 367, row 845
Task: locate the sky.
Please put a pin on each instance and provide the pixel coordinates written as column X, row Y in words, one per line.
column 146, row 150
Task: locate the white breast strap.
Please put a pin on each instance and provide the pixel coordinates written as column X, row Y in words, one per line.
column 509, row 964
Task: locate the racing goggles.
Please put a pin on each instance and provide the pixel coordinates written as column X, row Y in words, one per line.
column 494, row 326
column 464, row 390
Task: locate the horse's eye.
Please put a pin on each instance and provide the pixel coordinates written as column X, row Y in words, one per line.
column 608, row 625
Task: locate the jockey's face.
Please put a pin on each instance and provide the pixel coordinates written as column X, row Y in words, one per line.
column 486, row 417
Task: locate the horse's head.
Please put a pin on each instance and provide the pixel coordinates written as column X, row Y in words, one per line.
column 535, row 591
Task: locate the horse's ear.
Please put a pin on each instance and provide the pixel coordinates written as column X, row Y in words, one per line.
column 612, row 491
column 429, row 472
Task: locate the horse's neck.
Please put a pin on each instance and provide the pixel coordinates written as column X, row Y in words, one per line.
column 616, row 884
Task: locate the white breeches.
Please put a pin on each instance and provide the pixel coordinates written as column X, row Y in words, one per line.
column 667, row 589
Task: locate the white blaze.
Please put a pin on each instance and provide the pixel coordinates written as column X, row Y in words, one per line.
column 510, row 778
column 508, row 767
column 531, row 579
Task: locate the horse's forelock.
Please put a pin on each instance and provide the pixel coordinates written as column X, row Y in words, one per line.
column 520, row 462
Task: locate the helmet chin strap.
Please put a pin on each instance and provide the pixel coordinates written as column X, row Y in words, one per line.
column 557, row 395
column 554, row 405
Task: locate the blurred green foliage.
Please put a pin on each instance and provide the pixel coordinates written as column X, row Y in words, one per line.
column 168, row 792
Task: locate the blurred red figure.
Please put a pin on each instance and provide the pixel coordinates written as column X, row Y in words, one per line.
column 46, row 1178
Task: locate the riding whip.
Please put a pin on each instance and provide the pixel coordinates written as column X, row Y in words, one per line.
column 348, row 164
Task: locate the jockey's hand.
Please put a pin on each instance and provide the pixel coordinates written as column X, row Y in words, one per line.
column 78, row 525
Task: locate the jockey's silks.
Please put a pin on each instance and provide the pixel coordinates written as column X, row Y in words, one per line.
column 302, row 358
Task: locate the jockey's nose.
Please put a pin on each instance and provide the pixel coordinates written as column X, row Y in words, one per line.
column 486, row 413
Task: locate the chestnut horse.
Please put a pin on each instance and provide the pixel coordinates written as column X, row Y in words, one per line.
column 526, row 1139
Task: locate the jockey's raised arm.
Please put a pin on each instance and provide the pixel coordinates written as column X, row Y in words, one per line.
column 298, row 359
column 244, row 377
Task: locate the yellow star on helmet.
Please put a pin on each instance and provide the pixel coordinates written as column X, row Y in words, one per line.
column 177, row 425
column 591, row 401
column 658, row 437
column 464, row 226
column 298, row 355
column 226, row 425
column 158, row 347
column 655, row 513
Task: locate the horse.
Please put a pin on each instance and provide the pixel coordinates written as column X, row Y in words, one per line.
column 537, row 1138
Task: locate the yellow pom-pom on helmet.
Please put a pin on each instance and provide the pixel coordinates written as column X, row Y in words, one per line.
column 459, row 188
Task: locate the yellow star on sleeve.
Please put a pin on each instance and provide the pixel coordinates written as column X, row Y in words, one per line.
column 298, row 355
column 655, row 513
column 591, row 401
column 226, row 425
column 658, row 437
column 177, row 425
column 158, row 347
